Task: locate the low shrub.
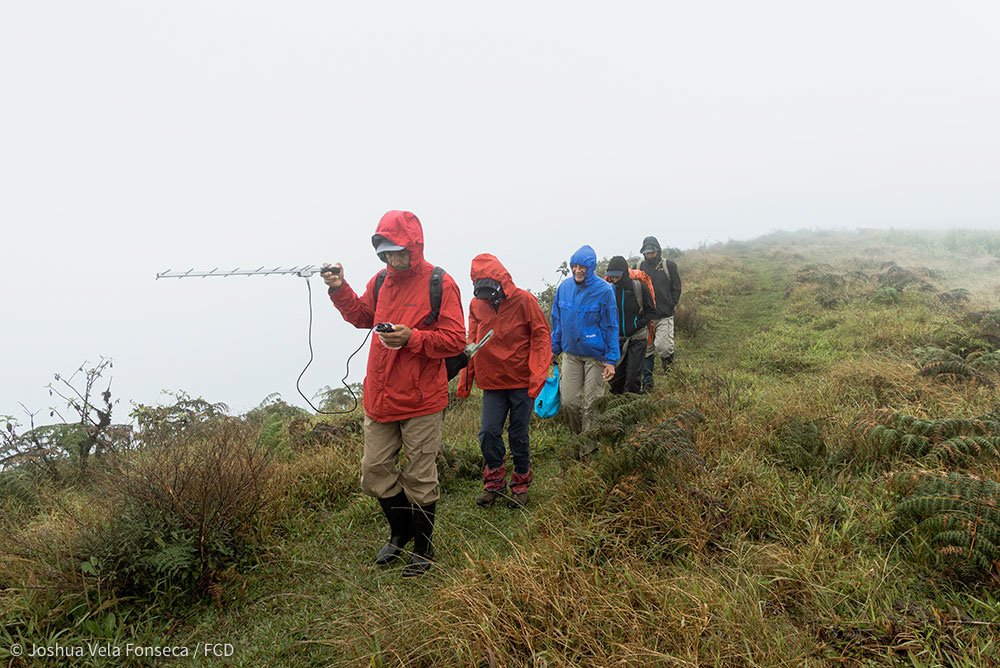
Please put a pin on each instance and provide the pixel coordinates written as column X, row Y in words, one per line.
column 887, row 295
column 179, row 514
column 690, row 319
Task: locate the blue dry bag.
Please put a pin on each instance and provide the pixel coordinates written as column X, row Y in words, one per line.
column 547, row 403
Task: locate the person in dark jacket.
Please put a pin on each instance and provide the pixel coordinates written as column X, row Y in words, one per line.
column 667, row 287
column 511, row 368
column 635, row 309
column 585, row 328
column 406, row 385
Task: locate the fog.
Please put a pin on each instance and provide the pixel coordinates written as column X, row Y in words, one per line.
column 140, row 137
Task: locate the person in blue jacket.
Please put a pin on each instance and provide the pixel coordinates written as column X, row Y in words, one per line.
column 585, row 332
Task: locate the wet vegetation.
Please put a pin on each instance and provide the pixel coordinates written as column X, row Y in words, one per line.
column 816, row 482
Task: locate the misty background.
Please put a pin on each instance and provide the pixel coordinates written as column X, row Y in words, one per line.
column 141, row 137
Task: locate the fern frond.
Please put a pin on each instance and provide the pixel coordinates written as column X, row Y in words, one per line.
column 960, row 516
column 961, row 448
column 669, row 445
column 928, row 354
column 986, row 363
column 960, row 546
column 958, row 369
column 618, row 416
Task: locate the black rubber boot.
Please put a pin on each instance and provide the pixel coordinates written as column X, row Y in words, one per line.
column 423, row 548
column 399, row 512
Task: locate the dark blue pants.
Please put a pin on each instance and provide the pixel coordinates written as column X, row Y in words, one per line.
column 497, row 405
column 647, row 372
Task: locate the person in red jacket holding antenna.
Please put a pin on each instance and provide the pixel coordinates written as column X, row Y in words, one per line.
column 510, row 368
column 406, row 385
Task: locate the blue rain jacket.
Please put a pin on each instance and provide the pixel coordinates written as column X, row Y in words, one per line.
column 584, row 316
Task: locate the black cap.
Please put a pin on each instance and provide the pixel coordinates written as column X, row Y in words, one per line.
column 617, row 267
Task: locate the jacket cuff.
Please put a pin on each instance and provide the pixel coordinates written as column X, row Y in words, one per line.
column 416, row 341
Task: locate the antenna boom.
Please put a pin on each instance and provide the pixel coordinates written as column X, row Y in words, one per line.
column 305, row 271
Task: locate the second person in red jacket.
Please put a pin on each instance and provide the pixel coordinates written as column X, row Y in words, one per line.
column 510, row 368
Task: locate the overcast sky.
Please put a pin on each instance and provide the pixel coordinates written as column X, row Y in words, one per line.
column 141, row 136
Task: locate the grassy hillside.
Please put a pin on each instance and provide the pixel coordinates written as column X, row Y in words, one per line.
column 817, row 482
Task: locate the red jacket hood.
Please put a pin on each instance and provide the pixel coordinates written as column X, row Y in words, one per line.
column 486, row 265
column 403, row 229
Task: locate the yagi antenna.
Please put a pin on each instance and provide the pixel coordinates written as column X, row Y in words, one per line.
column 304, row 271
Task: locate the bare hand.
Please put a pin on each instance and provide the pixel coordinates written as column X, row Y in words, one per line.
column 397, row 338
column 609, row 372
column 333, row 275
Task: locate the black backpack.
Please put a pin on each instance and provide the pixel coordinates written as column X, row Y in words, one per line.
column 452, row 364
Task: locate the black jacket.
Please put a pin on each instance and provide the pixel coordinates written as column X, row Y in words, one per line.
column 666, row 281
column 630, row 320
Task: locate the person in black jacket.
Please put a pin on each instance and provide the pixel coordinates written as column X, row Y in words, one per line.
column 667, row 288
column 635, row 309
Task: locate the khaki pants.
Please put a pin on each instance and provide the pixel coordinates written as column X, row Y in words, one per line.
column 663, row 339
column 419, row 439
column 580, row 384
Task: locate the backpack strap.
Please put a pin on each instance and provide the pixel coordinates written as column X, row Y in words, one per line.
column 379, row 280
column 437, row 278
column 637, row 286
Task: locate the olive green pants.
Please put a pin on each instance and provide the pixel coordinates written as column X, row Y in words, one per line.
column 581, row 383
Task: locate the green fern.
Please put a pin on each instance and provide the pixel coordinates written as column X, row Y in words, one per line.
column 957, row 370
column 619, row 414
column 174, row 556
column 960, row 518
column 976, row 366
column 961, row 449
column 928, row 354
column 950, row 440
column 940, row 428
column 669, row 445
column 937, row 524
column 986, row 362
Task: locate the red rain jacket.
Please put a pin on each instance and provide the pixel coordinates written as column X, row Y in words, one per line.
column 412, row 381
column 520, row 351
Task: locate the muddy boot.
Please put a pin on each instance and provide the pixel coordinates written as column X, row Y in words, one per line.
column 398, row 512
column 668, row 362
column 487, row 498
column 519, row 483
column 518, row 500
column 423, row 549
column 494, row 485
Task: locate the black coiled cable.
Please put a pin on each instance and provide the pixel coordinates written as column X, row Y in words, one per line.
column 347, row 370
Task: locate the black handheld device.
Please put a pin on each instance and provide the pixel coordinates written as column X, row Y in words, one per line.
column 384, row 327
